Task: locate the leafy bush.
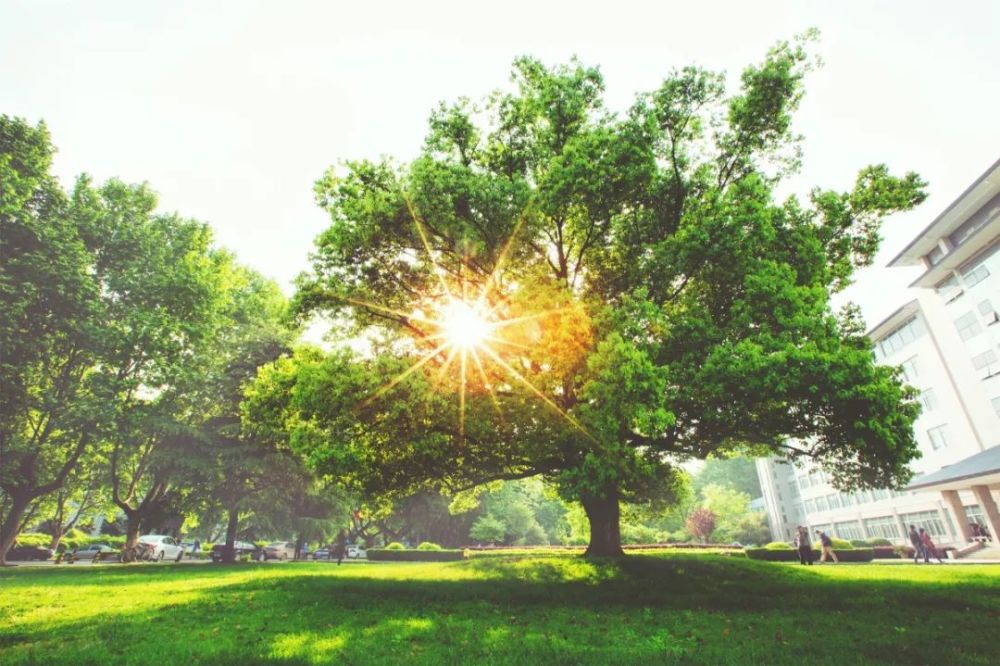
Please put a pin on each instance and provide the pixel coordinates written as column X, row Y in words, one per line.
column 75, row 539
column 33, row 540
column 428, row 545
column 488, row 529
column 640, row 534
column 778, row 545
column 395, row 545
column 853, row 555
column 838, row 544
column 395, row 555
column 534, row 536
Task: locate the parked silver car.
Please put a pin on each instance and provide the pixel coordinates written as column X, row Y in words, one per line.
column 96, row 552
column 164, row 547
column 280, row 550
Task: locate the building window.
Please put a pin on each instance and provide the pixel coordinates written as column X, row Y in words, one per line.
column 974, row 275
column 847, row 499
column 928, row 399
column 987, row 311
column 900, row 337
column 938, row 437
column 986, row 361
column 974, row 514
column 949, row 289
column 883, row 526
column 968, row 326
column 834, row 501
column 821, row 504
column 880, row 494
column 935, row 256
column 929, row 520
column 848, row 530
column 810, row 506
column 909, row 368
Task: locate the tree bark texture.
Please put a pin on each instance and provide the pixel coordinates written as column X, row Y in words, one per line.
column 10, row 525
column 605, row 525
column 229, row 554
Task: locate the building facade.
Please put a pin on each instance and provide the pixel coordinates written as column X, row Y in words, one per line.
column 946, row 340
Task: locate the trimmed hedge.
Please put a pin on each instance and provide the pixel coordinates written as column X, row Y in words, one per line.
column 393, row 555
column 779, row 545
column 855, row 555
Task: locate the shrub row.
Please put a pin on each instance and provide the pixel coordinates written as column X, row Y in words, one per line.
column 771, row 555
column 395, row 555
column 72, row 539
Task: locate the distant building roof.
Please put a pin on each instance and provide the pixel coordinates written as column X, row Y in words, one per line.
column 983, row 468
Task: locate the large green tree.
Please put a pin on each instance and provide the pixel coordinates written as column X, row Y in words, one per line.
column 51, row 400
column 674, row 308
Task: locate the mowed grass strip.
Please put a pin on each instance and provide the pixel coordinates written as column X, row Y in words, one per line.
column 529, row 608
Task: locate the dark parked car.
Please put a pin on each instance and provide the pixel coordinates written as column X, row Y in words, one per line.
column 241, row 547
column 29, row 553
column 321, row 554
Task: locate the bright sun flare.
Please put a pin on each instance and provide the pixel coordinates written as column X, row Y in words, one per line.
column 464, row 326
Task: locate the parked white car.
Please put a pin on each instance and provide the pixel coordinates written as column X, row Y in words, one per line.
column 164, row 547
column 280, row 550
column 356, row 552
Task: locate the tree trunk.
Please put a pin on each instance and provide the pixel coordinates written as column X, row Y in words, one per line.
column 132, row 529
column 57, row 535
column 605, row 525
column 229, row 553
column 11, row 523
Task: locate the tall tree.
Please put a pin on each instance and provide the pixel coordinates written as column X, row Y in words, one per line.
column 51, row 400
column 654, row 302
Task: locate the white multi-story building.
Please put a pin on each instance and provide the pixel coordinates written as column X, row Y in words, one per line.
column 947, row 342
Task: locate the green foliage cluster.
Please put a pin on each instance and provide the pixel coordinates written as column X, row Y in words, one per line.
column 778, row 545
column 838, row 544
column 428, row 545
column 395, row 545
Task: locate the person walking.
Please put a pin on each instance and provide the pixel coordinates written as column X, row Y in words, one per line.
column 918, row 545
column 340, row 546
column 826, row 546
column 929, row 548
column 803, row 546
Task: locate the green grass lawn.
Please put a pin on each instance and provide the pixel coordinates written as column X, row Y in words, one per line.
column 524, row 609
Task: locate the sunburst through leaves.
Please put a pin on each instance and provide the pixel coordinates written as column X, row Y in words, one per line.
column 466, row 335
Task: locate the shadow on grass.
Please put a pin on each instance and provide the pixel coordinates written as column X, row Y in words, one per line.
column 527, row 609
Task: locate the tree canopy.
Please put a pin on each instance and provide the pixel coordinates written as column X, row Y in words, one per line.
column 651, row 299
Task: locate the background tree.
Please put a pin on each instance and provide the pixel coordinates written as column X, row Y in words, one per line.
column 677, row 310
column 738, row 473
column 701, row 523
column 51, row 402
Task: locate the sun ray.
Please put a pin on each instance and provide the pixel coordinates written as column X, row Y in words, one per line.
column 486, row 383
column 537, row 315
column 461, row 398
column 427, row 245
column 403, row 375
column 382, row 308
column 548, row 401
column 511, row 343
column 501, row 260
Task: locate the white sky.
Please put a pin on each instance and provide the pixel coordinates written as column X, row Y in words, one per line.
column 231, row 110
